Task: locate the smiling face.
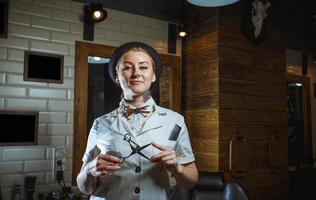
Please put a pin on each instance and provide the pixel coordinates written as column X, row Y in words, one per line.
column 135, row 73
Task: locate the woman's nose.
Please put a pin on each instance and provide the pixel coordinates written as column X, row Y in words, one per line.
column 136, row 72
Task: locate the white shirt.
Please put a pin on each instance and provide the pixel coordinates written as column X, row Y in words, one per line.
column 138, row 178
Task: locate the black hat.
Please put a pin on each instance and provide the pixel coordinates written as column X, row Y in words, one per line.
column 125, row 48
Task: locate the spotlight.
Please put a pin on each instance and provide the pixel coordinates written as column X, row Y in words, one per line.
column 96, row 12
column 180, row 31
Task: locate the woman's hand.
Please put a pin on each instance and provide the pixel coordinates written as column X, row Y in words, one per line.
column 166, row 158
column 103, row 164
column 186, row 175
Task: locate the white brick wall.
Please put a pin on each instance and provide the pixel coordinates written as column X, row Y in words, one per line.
column 11, row 66
column 15, row 54
column 50, row 24
column 27, row 153
column 3, row 53
column 2, row 78
column 14, row 42
column 27, row 32
column 53, row 26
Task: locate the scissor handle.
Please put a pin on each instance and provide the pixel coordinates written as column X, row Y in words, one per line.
column 127, row 137
column 122, row 159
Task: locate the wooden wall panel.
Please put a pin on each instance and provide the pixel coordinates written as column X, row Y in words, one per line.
column 264, row 184
column 230, row 22
column 257, row 155
column 252, row 100
column 206, row 162
column 251, row 117
column 235, row 86
column 164, row 87
column 200, row 84
column 200, row 20
column 237, row 40
column 201, row 57
column 205, row 147
column 256, row 72
column 203, row 43
column 209, row 132
column 201, row 101
column 238, row 101
column 250, row 131
column 164, row 104
column 231, row 87
column 170, row 83
column 203, row 117
column 203, row 71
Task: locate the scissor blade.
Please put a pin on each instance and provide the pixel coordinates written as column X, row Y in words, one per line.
column 140, row 153
column 143, row 147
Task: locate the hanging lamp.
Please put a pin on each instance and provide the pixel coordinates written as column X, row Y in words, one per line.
column 211, row 3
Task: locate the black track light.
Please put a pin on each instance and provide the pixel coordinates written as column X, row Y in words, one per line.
column 96, row 12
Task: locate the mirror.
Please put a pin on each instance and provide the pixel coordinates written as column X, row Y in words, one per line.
column 103, row 94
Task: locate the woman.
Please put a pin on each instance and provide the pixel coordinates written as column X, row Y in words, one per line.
column 131, row 150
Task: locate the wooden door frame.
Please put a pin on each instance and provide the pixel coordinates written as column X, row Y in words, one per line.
column 83, row 50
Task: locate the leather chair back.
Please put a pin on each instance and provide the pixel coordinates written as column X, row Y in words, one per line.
column 210, row 185
column 179, row 193
column 233, row 191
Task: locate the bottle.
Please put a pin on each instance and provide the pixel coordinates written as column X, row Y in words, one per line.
column 17, row 192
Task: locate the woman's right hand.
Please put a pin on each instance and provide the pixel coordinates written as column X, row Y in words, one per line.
column 103, row 164
column 107, row 163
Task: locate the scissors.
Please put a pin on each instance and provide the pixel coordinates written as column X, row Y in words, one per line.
column 136, row 149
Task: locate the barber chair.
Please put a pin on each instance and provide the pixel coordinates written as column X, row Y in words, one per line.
column 233, row 191
column 210, row 186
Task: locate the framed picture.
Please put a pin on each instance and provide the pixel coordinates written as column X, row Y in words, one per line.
column 18, row 128
column 43, row 67
column 4, row 18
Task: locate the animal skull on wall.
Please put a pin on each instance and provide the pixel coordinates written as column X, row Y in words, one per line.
column 259, row 13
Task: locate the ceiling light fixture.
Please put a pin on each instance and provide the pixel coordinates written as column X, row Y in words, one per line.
column 211, row 3
column 180, row 31
column 97, row 13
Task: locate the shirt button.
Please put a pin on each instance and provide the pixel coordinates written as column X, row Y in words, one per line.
column 137, row 169
column 137, row 190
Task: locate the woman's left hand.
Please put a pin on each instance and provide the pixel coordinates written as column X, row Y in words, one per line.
column 166, row 158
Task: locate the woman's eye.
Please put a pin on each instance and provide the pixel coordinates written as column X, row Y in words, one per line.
column 126, row 67
column 143, row 67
